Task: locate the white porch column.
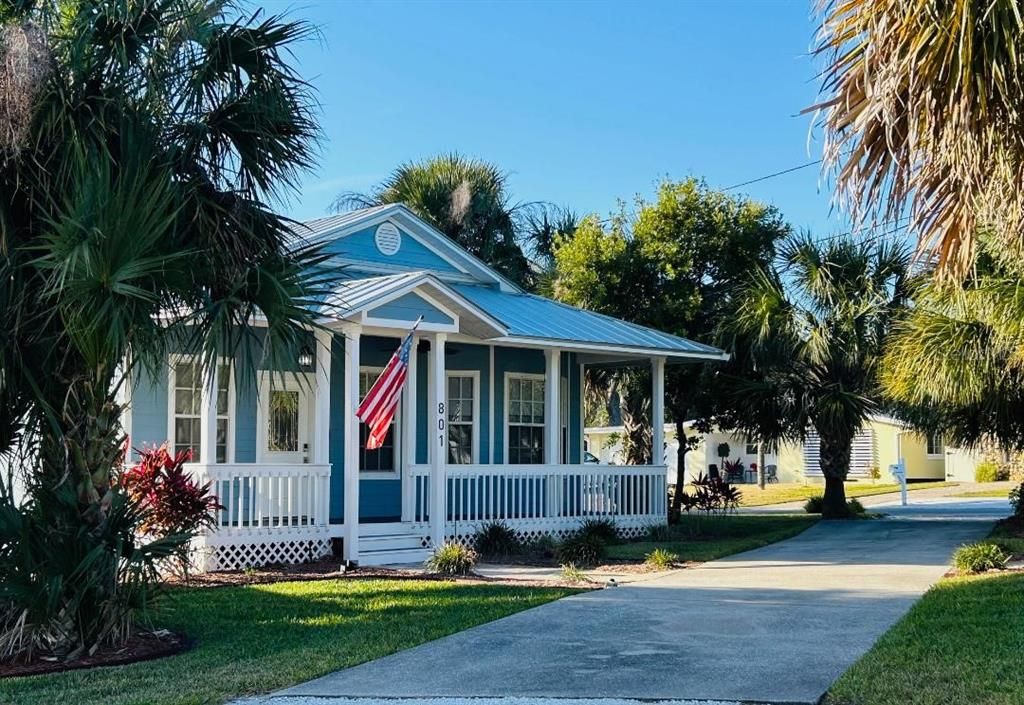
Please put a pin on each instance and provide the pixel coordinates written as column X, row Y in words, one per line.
column 409, row 434
column 351, row 543
column 208, row 418
column 322, row 416
column 658, row 410
column 438, row 439
column 552, row 407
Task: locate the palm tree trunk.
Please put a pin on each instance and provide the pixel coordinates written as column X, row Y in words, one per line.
column 760, row 466
column 835, row 464
column 637, row 436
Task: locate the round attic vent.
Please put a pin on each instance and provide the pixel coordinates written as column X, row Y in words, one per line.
column 388, row 238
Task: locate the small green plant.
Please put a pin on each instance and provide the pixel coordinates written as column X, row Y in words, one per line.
column 815, row 504
column 452, row 559
column 875, row 473
column 987, row 471
column 604, row 529
column 496, row 539
column 979, row 557
column 660, row 559
column 544, row 546
column 582, row 549
column 572, row 574
column 1017, row 500
column 658, row 532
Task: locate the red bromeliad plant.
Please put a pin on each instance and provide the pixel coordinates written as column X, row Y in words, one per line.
column 175, row 503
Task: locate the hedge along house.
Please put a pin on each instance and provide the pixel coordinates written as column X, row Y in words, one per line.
column 489, row 427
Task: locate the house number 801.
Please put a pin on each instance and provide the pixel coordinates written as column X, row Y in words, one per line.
column 440, row 423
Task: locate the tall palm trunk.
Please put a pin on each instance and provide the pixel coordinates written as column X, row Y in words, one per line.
column 835, row 464
column 761, row 475
column 637, row 436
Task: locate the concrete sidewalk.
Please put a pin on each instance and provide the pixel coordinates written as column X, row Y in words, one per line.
column 777, row 625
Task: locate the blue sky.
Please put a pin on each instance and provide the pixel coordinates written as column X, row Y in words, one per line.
column 583, row 103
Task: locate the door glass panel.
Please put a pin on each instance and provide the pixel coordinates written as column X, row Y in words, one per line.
column 283, row 434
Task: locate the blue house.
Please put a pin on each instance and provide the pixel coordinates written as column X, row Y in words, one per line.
column 489, row 427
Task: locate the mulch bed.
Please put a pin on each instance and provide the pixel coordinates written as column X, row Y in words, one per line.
column 332, row 570
column 143, row 646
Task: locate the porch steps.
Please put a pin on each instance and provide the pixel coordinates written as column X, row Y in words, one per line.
column 390, row 544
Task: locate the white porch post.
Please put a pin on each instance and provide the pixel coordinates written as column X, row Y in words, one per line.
column 208, row 418
column 438, row 439
column 409, row 435
column 552, row 407
column 658, row 410
column 322, row 416
column 351, row 543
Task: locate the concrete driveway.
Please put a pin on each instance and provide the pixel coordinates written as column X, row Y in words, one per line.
column 776, row 625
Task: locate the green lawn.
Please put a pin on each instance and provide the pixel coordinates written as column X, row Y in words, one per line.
column 998, row 492
column 708, row 538
column 960, row 645
column 258, row 638
column 796, row 492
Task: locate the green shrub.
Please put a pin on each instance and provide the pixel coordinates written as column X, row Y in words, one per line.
column 987, row 471
column 660, row 559
column 572, row 574
column 978, row 557
column 815, row 504
column 544, row 546
column 582, row 549
column 658, row 532
column 452, row 559
column 604, row 529
column 1017, row 499
column 496, row 539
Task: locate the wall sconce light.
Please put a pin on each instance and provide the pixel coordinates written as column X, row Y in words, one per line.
column 305, row 357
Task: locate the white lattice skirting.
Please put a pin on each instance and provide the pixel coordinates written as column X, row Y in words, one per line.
column 227, row 552
column 526, row 530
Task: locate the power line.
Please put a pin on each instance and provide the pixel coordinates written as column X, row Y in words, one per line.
column 773, row 175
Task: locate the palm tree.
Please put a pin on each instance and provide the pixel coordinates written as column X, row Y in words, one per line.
column 137, row 160
column 818, row 324
column 466, row 199
column 920, row 106
column 954, row 364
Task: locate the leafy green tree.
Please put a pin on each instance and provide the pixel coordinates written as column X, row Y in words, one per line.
column 818, row 324
column 675, row 267
column 466, row 199
column 141, row 142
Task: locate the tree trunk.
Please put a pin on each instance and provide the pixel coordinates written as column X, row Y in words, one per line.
column 637, row 436
column 760, row 465
column 835, row 464
column 683, row 447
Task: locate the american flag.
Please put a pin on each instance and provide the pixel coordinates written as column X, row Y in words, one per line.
column 378, row 407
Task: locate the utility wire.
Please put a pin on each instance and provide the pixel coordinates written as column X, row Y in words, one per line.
column 773, row 175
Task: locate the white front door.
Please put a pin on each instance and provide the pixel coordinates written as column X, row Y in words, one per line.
column 285, row 433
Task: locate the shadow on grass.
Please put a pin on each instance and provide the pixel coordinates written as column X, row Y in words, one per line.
column 257, row 638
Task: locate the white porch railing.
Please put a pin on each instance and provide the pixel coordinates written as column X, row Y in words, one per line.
column 534, row 499
column 269, row 513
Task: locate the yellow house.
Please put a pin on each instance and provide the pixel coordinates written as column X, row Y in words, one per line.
column 879, row 445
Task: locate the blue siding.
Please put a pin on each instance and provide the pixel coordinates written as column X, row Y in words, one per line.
column 510, row 360
column 336, row 433
column 409, row 308
column 149, row 410
column 412, row 255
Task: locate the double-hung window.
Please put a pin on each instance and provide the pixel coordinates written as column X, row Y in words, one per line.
column 935, row 444
column 525, row 419
column 186, row 389
column 383, row 459
column 462, row 418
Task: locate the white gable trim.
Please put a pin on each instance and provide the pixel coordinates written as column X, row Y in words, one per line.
column 428, row 236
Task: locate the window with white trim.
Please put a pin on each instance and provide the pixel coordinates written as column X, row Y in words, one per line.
column 525, row 413
column 935, row 446
column 186, row 385
column 383, row 459
column 461, row 418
